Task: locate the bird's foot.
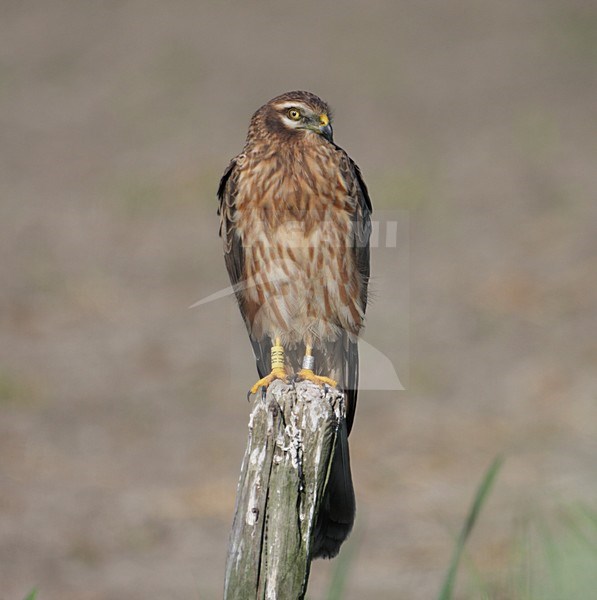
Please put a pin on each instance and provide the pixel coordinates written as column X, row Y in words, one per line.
column 277, row 373
column 307, row 374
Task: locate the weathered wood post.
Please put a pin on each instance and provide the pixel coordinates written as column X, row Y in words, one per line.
column 292, row 433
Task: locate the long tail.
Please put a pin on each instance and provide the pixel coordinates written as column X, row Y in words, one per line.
column 337, row 511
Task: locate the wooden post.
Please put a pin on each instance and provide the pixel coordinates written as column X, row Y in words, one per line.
column 292, row 434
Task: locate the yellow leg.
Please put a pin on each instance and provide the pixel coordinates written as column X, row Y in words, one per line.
column 278, row 367
column 307, row 371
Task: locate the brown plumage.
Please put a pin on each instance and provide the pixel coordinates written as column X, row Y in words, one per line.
column 295, row 221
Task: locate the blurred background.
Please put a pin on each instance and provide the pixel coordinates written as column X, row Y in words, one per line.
column 123, row 421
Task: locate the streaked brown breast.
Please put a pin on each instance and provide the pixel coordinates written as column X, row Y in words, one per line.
column 294, row 219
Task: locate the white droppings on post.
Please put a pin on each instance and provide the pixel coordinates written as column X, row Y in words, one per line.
column 257, row 456
column 294, row 435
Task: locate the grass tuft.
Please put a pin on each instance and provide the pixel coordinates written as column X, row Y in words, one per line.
column 32, row 595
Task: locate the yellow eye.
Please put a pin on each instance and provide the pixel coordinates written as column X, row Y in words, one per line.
column 294, row 114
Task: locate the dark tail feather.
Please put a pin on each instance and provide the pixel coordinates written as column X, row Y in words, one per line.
column 337, row 511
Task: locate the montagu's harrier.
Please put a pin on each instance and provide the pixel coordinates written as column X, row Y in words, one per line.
column 295, row 221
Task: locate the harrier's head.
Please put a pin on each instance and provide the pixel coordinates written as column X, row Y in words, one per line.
column 292, row 115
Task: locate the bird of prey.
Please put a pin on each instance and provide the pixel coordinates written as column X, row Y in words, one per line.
column 295, row 222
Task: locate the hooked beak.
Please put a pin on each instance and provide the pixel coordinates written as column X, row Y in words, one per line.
column 325, row 129
column 321, row 126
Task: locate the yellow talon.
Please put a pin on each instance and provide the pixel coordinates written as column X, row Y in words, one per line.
column 276, row 373
column 318, row 379
column 278, row 368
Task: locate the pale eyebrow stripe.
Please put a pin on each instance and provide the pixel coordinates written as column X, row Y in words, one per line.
column 293, row 105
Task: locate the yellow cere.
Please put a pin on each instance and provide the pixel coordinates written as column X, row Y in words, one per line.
column 324, row 120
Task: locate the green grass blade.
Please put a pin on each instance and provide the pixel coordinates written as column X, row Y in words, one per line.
column 32, row 594
column 471, row 519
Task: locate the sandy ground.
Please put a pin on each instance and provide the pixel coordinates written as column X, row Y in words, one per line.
column 122, row 415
